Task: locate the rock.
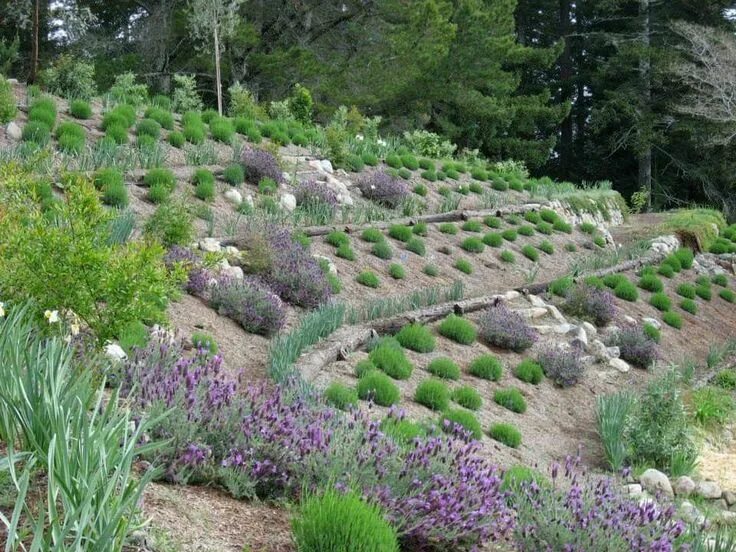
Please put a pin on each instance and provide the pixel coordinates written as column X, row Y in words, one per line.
column 720, row 503
column 683, row 486
column 690, row 513
column 345, row 199
column 665, row 244
column 511, row 295
column 590, row 329
column 288, row 202
column 613, row 352
column 115, row 352
column 565, row 329
column 544, row 330
column 708, row 489
column 598, row 350
column 231, row 251
column 653, row 321
column 729, row 497
column 234, row 272
column 249, row 200
column 623, row 367
column 556, row 314
column 727, row 518
column 582, row 336
column 655, row 482
column 211, row 245
column 233, row 196
column 629, row 319
column 533, row 312
column 633, row 489
column 536, row 301
column 13, row 131
column 327, row 166
column 331, row 268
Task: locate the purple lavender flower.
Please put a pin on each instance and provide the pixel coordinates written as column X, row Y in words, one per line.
column 261, row 164
column 589, row 303
column 250, row 303
column 635, row 345
column 383, row 188
column 311, row 192
column 504, row 328
column 564, row 366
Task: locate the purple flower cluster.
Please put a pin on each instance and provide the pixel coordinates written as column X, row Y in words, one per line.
column 580, row 514
column 250, row 303
column 311, row 192
column 504, row 328
column 198, row 281
column 563, row 365
column 180, row 256
column 589, row 303
column 635, row 345
column 383, row 188
column 260, row 164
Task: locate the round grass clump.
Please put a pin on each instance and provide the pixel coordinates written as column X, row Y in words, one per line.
column 379, row 388
column 626, row 291
column 448, row 228
column 472, row 226
column 492, row 222
column 613, row 280
column 160, row 176
column 726, row 379
column 431, row 270
column 80, row 109
column 530, row 253
column 158, row 193
column 336, row 238
column 354, row 163
column 194, row 133
column 416, row 337
column 493, row 239
column 444, row 368
column 234, row 174
column 509, row 235
column 363, row 367
column 162, row 116
column 686, row 290
column 704, row 292
column 720, row 280
column 500, row 185
column 506, row 434
column 466, row 420
column 561, row 286
column 115, row 195
column 393, row 161
column 588, row 228
column 148, row 127
column 372, row 235
column 117, row 133
column 36, row 132
column 685, row 256
column 526, row 230
column 368, row 279
column 486, row 367
column 382, row 250
column 396, row 271
column 690, row 306
column 107, row 177
column 674, row 262
column 410, row 162
column 204, row 182
column 672, row 319
column 400, row 232
column 660, row 301
column 420, row 229
column 433, row 394
column 467, row 397
column 546, row 247
column 404, row 173
column 511, row 399
column 416, row 245
column 529, row 371
column 666, row 270
column 370, row 159
column 507, row 256
column 473, row 245
column 222, row 130
column 114, row 118
column 177, row 139
column 727, row 295
column 562, row 226
column 652, row 332
column 341, row 396
column 71, row 144
column 458, row 329
column 420, row 189
column 545, row 228
column 204, row 342
column 650, row 282
column 463, row 265
column 346, row 252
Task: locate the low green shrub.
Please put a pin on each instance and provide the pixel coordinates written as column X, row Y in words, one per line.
column 463, row 265
column 363, row 367
column 486, row 367
column 158, row 193
column 511, row 399
column 704, row 292
column 372, row 235
column 177, row 139
column 416, row 337
column 673, row 262
column 466, row 420
column 665, row 270
column 346, row 252
column 530, row 253
column 588, row 228
column 336, row 238
column 545, row 228
column 689, row 305
column 404, row 173
column 433, row 394
column 652, row 332
column 71, row 144
column 493, row 239
column 507, row 256
column 117, row 133
column 420, row 229
column 473, row 245
column 562, row 226
column 467, row 397
column 492, row 222
column 416, row 246
column 509, row 235
column 458, row 329
column 600, row 241
column 686, row 290
column 341, row 396
column 204, row 341
column 368, row 279
column 431, row 270
column 115, row 195
column 36, row 132
column 448, row 228
column 727, row 295
column 369, row 159
column 163, row 117
column 712, row 405
column 444, row 368
column 420, row 189
column 382, row 250
column 171, row 224
column 472, row 226
column 379, row 388
column 529, row 371
column 546, row 247
column 720, row 280
column 222, row 130
column 205, row 190
column 685, row 256
column 650, row 282
column 561, row 286
column 234, row 174
column 506, row 434
column 626, row 291
column 400, row 232
column 410, row 162
column 80, row 109
column 164, row 177
column 396, row 271
column 672, row 319
column 148, row 127
column 726, row 379
column 660, row 301
column 526, row 230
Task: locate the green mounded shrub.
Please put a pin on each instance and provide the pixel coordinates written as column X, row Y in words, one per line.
column 452, row 174
column 402, row 431
column 420, row 229
column 341, row 396
column 148, row 127
column 134, row 335
column 448, row 228
column 222, row 130
column 378, row 387
column 674, row 262
column 594, row 282
column 685, row 256
column 177, row 139
column 650, row 282
column 518, row 476
column 486, row 367
column 545, row 228
column 369, row 159
column 363, row 367
column 161, row 101
column 416, row 337
column 8, row 108
column 600, row 241
column 42, row 112
column 394, row 161
column 672, row 319
column 467, row 397
column 720, row 280
column 509, row 235
column 702, row 280
column 492, row 222
column 511, row 399
column 372, row 235
column 396, row 271
column 346, row 252
column 686, row 290
column 431, row 270
column 404, row 173
column 420, row 189
column 368, row 279
column 171, row 224
column 712, row 405
column 71, row 144
column 234, row 174
column 529, row 371
column 194, row 133
column 588, row 228
column 500, row 185
column 561, row 286
column 666, row 270
column 416, row 245
column 336, row 238
column 546, row 247
column 472, row 226
column 652, row 332
column 400, row 232
column 506, row 434
column 162, row 116
column 115, row 195
column 479, row 173
column 444, row 368
column 660, row 301
column 144, row 141
column 613, row 280
column 530, row 253
column 80, row 109
column 475, row 187
column 337, row 522
column 382, row 250
column 532, row 216
column 433, row 394
column 466, row 420
column 562, row 226
column 410, row 162
column 267, row 186
column 726, row 379
column 458, row 329
column 690, row 306
column 158, row 193
column 117, row 133
column 36, row 132
column 353, row 162
column 626, row 291
column 426, row 164
column 473, row 245
column 507, row 256
column 704, row 292
column 204, row 186
column 727, row 295
column 493, row 239
column 526, row 230
column 160, row 176
column 463, row 265
column 107, row 177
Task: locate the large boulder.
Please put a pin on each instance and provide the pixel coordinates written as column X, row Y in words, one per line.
column 708, row 489
column 233, row 196
column 288, row 202
column 13, row 131
column 683, row 486
column 656, row 482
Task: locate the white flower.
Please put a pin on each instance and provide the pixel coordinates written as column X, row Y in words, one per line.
column 2, row 309
column 381, row 142
column 359, row 137
column 74, row 328
column 373, row 186
column 51, row 316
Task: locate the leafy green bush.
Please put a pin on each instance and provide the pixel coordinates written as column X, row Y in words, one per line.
column 672, row 319
column 382, row 250
column 726, row 379
column 368, row 279
column 463, row 265
column 336, row 238
column 600, row 241
column 162, row 116
column 529, row 371
column 341, row 396
column 416, row 337
column 158, row 193
column 458, row 329
column 685, row 256
column 510, row 398
column 394, row 161
column 466, row 420
column 117, row 133
column 337, row 522
column 400, row 232
column 509, row 235
column 431, row 270
column 369, row 159
column 194, row 133
column 171, row 224
column 410, row 162
column 472, row 226
column 704, row 292
column 562, row 226
column 467, row 397
column 71, row 144
column 561, row 286
column 379, row 388
column 506, row 434
column 444, row 368
column 665, row 270
column 416, row 246
column 420, row 189
column 363, row 367
column 80, row 109
column 473, row 245
column 420, row 229
column 689, row 305
column 650, row 282
column 345, row 252
column 720, row 280
column 673, row 262
column 627, row 291
column 448, row 228
column 372, row 235
column 660, row 301
column 727, row 295
column 234, row 174
column 712, row 405
column 530, row 253
column 115, row 195
column 493, row 239
column 486, row 367
column 507, row 256
column 433, row 394
column 588, row 228
column 205, row 190
column 686, row 290
column 148, row 127
column 492, row 222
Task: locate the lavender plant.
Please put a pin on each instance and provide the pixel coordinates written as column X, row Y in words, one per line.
column 504, row 328
column 590, row 303
column 636, row 345
column 382, row 188
column 250, row 303
column 261, row 164
column 562, row 365
column 312, row 194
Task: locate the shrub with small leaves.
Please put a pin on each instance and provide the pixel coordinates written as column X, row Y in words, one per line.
column 529, row 371
column 546, row 247
column 205, row 189
column 561, row 286
column 363, row 367
column 260, row 164
column 689, row 305
column 704, row 292
column 473, row 245
column 148, row 127
column 420, row 229
column 562, row 365
column 341, row 396
column 396, row 271
column 448, row 228
column 685, row 256
column 492, row 222
column 666, row 270
column 652, row 332
column 255, row 307
column 444, row 368
column 454, row 417
column 382, row 250
column 511, row 399
column 337, row 238
column 493, row 239
column 507, row 256
column 80, row 109
column 506, row 434
column 171, row 224
column 267, row 186
column 431, row 270
column 562, row 226
column 222, row 129
column 600, row 241
column 720, row 280
column 588, row 228
column 486, row 367
column 463, row 265
column 472, row 226
column 458, row 329
column 372, row 235
column 530, row 253
column 509, row 234
column 368, row 279
column 404, row 173
column 727, row 295
column 115, row 195
column 636, row 344
column 627, row 291
column 433, row 394
column 346, row 252
column 526, row 230
column 660, row 301
column 650, row 282
column 176, row 139
column 400, row 232
column 161, row 176
column 672, row 319
column 416, row 337
column 378, row 387
column 382, row 188
column 416, row 245
column 589, row 303
column 420, row 189
column 158, row 193
column 726, row 379
column 36, row 132
column 686, row 290
column 506, row 329
column 234, row 174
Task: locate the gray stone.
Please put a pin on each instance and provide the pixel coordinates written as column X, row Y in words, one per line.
column 544, row 330
column 720, row 503
column 511, row 295
column 613, row 352
column 598, row 350
column 708, row 489
column 653, row 321
column 345, row 199
column 622, row 366
column 582, row 336
column 629, row 319
column 115, row 352
column 331, row 268
column 683, row 486
column 327, row 166
column 211, row 245
column 13, row 131
column 590, row 329
column 231, row 251
column 288, row 202
column 556, row 314
column 536, row 301
column 729, row 497
column 234, row 272
column 233, row 196
column 655, row 482
column 728, row 518
column 633, row 489
column 690, row 513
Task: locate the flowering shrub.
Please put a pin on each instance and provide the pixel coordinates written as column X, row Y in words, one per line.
column 579, row 514
column 261, row 164
column 504, row 328
column 563, row 366
column 590, row 303
column 382, row 188
column 636, row 345
column 250, row 303
column 315, row 194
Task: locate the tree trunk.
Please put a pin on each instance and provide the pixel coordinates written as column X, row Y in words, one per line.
column 645, row 65
column 566, row 88
column 36, row 34
column 217, row 71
